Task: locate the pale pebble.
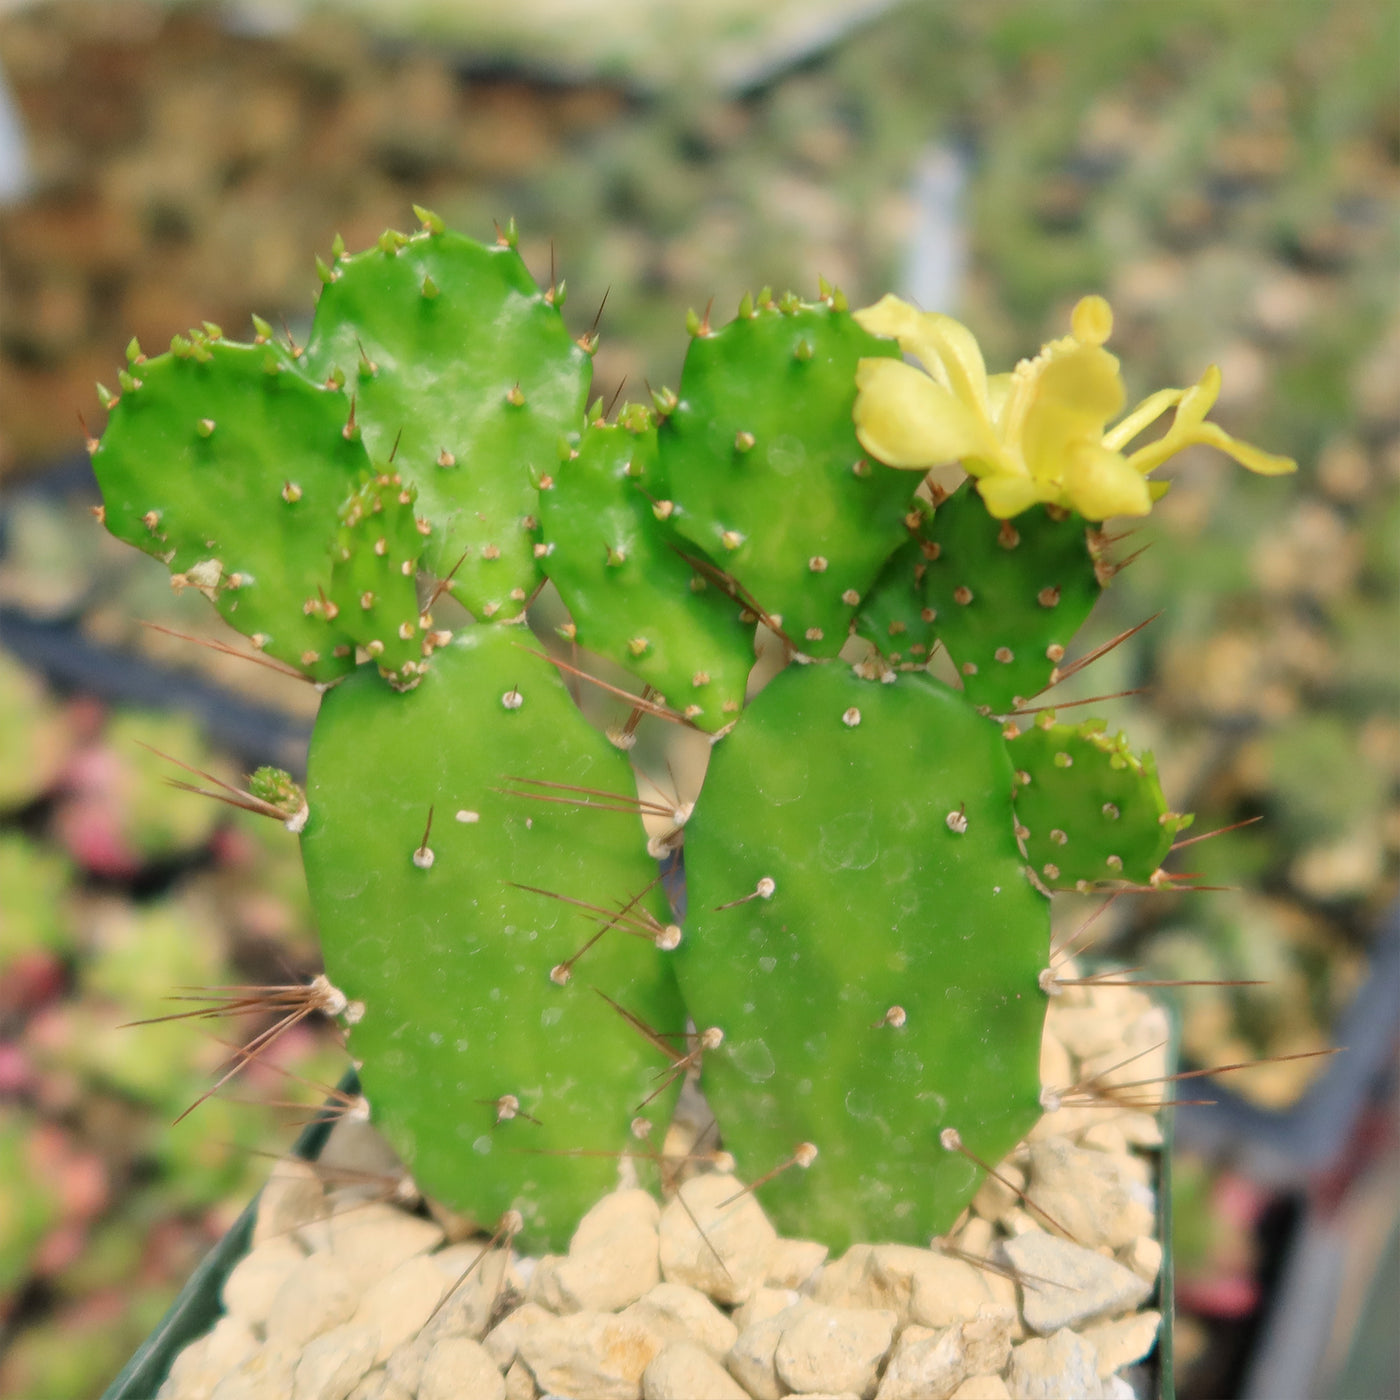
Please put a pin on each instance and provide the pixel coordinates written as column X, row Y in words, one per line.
column 1061, row 1367
column 751, row 1359
column 1143, row 1257
column 684, row 1371
column 315, row 1296
column 893, row 1276
column 334, row 1362
column 715, row 1237
column 990, row 1387
column 600, row 1355
column 793, row 1262
column 835, row 1346
column 613, row 1258
column 520, row 1384
column 206, row 1361
column 926, row 1364
column 1069, row 1284
column 253, row 1282
column 400, row 1303
column 1124, row 1341
column 374, row 1238
column 766, row 1302
column 1086, row 1194
column 678, row 1313
column 503, row 1340
column 458, row 1367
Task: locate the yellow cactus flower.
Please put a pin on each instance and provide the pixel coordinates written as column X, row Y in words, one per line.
column 1039, row 433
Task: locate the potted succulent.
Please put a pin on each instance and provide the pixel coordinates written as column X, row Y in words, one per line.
column 535, row 625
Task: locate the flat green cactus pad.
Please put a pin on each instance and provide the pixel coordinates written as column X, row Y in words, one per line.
column 1007, row 595
column 861, row 928
column 486, row 1073
column 631, row 595
column 895, row 613
column 1088, row 808
column 761, row 461
column 463, row 371
column 224, row 462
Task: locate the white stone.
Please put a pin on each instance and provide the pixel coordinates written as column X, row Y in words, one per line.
column 503, row 1340
column 684, row 1371
column 1087, row 1194
column 457, row 1368
column 835, row 1347
column 334, row 1362
column 1065, row 1284
column 1124, row 1341
column 613, row 1258
column 751, row 1359
column 982, row 1388
column 400, row 1303
column 926, row 1365
column 473, row 1300
column 1000, row 1192
column 520, row 1384
column 269, row 1371
column 292, row 1196
column 372, row 1239
column 405, row 1363
column 600, row 1355
column 253, row 1281
column 316, row 1295
column 1143, row 1257
column 677, row 1313
column 206, row 1361
column 1062, row 1367
column 715, row 1237
column 918, row 1285
column 766, row 1302
column 793, row 1262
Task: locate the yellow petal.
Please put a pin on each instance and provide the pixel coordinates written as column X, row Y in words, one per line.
column 1142, row 417
column 1254, row 459
column 1076, row 392
column 1099, row 483
column 998, row 391
column 940, row 340
column 1200, row 398
column 1005, row 494
column 906, row 420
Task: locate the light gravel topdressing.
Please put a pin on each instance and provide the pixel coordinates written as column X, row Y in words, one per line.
column 1039, row 1292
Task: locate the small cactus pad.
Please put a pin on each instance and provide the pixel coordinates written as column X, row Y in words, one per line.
column 1007, row 595
column 222, row 461
column 895, row 614
column 374, row 592
column 862, row 930
column 631, row 595
column 1088, row 808
column 462, row 370
column 486, row 1073
column 761, row 460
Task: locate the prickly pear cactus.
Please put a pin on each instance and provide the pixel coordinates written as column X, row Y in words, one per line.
column 869, row 863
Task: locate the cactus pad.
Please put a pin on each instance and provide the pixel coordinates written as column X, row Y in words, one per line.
column 1007, row 596
column 484, row 1072
column 225, row 463
column 631, row 595
column 1087, row 807
column 761, row 462
column 463, row 370
column 859, row 920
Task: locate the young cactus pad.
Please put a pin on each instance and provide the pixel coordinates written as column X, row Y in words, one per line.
column 486, row 1072
column 861, row 928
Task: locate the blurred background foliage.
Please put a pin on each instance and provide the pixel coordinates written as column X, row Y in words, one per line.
column 1227, row 172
